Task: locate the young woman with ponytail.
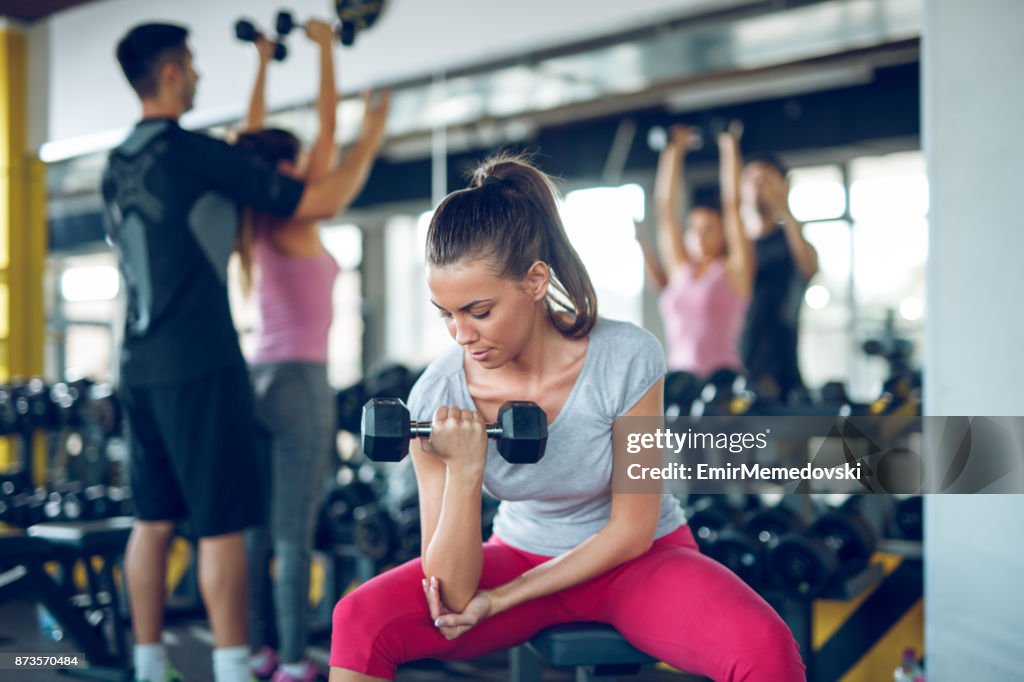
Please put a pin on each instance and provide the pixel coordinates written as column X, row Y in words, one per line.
column 519, row 303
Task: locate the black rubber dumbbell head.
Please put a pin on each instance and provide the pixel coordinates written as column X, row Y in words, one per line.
column 385, row 429
column 284, row 23
column 524, row 432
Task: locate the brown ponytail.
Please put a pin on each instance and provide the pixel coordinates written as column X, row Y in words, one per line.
column 243, row 246
column 272, row 146
column 509, row 214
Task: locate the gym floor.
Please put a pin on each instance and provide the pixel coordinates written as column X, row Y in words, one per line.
column 189, row 646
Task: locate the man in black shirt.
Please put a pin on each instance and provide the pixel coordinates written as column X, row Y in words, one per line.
column 172, row 200
column 786, row 261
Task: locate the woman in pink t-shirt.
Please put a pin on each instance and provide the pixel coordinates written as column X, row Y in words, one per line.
column 706, row 273
column 294, row 282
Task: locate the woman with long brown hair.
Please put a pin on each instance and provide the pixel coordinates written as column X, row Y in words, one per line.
column 293, row 283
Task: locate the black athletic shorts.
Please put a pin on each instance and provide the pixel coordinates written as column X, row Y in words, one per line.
column 196, row 452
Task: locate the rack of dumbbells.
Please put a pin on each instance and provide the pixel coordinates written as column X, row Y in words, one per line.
column 85, row 477
column 67, row 504
column 797, row 549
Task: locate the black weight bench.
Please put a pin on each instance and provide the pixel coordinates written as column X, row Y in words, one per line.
column 72, row 542
column 23, row 575
column 595, row 650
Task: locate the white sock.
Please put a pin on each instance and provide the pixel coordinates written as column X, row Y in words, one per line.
column 294, row 669
column 259, row 659
column 150, row 662
column 231, row 664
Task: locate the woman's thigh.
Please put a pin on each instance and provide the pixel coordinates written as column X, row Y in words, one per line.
column 691, row 612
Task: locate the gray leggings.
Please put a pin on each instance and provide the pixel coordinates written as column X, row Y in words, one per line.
column 294, row 401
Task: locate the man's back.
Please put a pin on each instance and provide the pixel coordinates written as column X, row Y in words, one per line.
column 172, row 216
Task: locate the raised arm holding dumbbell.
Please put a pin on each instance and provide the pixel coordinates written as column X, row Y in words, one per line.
column 247, row 32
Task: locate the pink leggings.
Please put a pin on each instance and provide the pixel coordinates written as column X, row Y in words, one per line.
column 672, row 602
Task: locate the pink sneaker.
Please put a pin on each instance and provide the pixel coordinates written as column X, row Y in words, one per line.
column 310, row 673
column 263, row 663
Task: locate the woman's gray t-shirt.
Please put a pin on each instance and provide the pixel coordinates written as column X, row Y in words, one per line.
column 550, row 507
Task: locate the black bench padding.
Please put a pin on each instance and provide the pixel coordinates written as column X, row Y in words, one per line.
column 16, row 546
column 104, row 536
column 576, row 644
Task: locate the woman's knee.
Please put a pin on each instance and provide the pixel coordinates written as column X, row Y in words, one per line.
column 358, row 617
column 377, row 625
column 768, row 651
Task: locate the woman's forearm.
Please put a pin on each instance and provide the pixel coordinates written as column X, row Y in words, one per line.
column 322, row 156
column 602, row 552
column 455, row 555
column 256, row 115
column 668, row 202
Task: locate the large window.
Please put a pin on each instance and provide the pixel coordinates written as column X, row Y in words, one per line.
column 85, row 317
column 600, row 222
column 868, row 222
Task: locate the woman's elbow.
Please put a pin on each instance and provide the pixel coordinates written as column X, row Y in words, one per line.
column 457, row 600
column 636, row 547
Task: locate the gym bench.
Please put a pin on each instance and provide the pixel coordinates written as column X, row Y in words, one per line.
column 23, row 575
column 597, row 651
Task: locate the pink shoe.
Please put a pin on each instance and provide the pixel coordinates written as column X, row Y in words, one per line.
column 310, row 673
column 263, row 663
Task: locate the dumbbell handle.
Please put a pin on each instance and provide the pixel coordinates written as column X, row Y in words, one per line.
column 423, row 430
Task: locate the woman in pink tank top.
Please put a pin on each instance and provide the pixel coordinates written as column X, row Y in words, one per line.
column 294, row 282
column 705, row 275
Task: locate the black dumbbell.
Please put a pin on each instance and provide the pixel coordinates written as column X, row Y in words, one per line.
column 716, row 395
column 285, row 24
column 901, row 396
column 374, row 532
column 839, row 543
column 408, row 529
column 350, row 403
column 755, row 396
column 744, row 546
column 521, row 431
column 337, row 514
column 658, row 136
column 23, row 509
column 9, row 422
column 104, row 408
column 119, row 501
column 33, row 406
column 247, row 32
column 14, row 482
column 707, row 516
column 681, row 389
column 70, row 400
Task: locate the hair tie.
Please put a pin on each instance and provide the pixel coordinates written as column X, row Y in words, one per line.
column 493, row 180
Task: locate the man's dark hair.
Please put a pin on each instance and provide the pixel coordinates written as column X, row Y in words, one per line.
column 768, row 159
column 145, row 49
